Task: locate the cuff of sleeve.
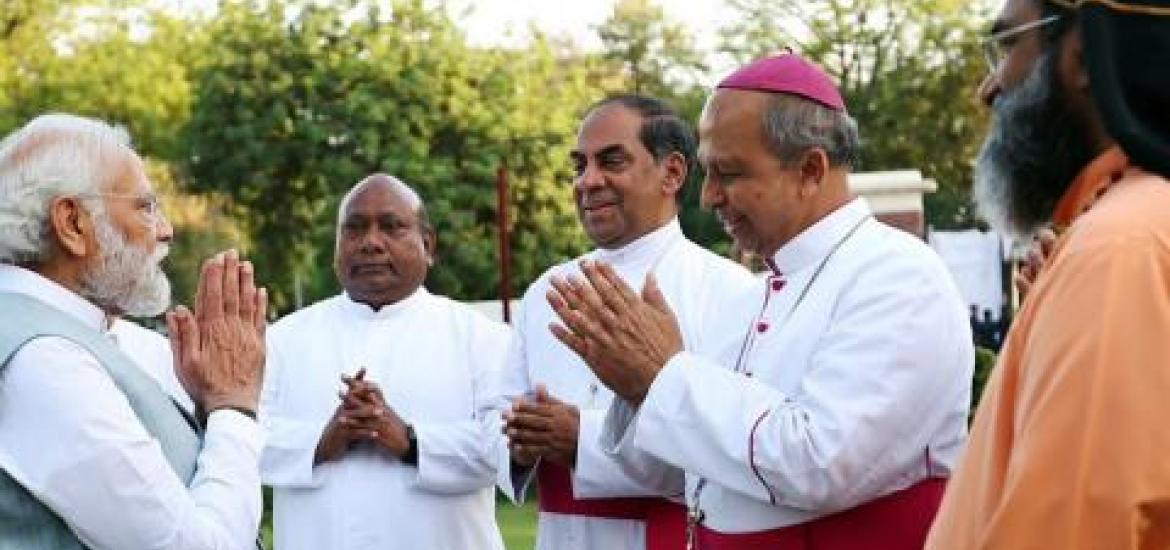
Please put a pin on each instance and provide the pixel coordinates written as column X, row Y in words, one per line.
column 287, row 458
column 243, row 427
column 592, row 464
column 665, row 392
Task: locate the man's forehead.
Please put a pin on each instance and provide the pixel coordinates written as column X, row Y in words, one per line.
column 1016, row 12
column 607, row 127
column 381, row 199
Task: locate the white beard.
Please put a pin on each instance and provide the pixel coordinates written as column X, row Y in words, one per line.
column 128, row 280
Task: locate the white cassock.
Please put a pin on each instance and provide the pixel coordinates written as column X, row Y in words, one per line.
column 841, row 392
column 151, row 352
column 436, row 362
column 89, row 459
column 693, row 281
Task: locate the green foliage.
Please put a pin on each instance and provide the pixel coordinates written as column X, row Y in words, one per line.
column 984, row 363
column 289, row 116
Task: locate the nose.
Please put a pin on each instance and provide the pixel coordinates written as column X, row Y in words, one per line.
column 164, row 230
column 988, row 89
column 372, row 242
column 590, row 178
column 712, row 195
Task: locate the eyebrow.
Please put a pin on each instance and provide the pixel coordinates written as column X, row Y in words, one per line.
column 999, row 26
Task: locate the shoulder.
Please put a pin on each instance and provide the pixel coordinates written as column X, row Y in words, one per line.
column 308, row 318
column 1134, row 213
column 540, row 285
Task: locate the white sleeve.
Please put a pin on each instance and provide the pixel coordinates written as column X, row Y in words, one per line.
column 513, row 381
column 865, row 411
column 600, row 473
column 287, row 460
column 104, row 474
column 461, row 457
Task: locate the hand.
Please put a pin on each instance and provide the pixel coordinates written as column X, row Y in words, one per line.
column 373, row 420
column 543, row 426
column 624, row 338
column 1038, row 255
column 219, row 350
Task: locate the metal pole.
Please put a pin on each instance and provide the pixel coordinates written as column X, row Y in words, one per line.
column 505, row 244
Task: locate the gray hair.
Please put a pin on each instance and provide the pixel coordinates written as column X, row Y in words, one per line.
column 794, row 125
column 51, row 156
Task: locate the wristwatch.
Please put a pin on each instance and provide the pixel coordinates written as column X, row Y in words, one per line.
column 411, row 454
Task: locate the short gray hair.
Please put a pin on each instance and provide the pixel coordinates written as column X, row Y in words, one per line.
column 51, row 156
column 794, row 125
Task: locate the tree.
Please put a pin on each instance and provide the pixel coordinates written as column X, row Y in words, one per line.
column 290, row 115
column 656, row 54
column 908, row 70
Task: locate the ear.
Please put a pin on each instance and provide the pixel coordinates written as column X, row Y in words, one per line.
column 430, row 244
column 813, row 167
column 1072, row 63
column 72, row 226
column 675, row 166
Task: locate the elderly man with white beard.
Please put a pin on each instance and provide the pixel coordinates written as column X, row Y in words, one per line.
column 93, row 453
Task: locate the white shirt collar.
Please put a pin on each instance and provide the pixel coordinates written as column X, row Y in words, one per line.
column 650, row 245
column 815, row 242
column 19, row 280
column 365, row 312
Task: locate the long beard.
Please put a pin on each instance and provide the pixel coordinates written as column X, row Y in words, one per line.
column 1035, row 149
column 128, row 279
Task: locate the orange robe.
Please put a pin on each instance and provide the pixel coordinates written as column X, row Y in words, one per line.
column 1071, row 444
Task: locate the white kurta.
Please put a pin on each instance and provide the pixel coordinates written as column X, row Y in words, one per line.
column 694, row 281
column 436, row 362
column 860, row 391
column 68, row 435
column 151, row 352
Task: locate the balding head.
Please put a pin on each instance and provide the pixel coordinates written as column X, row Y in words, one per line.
column 385, row 243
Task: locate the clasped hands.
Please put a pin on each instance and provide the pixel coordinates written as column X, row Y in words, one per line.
column 362, row 416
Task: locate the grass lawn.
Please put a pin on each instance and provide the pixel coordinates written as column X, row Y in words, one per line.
column 518, row 524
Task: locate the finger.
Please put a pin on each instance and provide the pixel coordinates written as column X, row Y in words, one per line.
column 261, row 317
column 247, row 293
column 530, row 439
column 210, row 305
column 188, row 331
column 530, row 420
column 1047, row 240
column 173, row 337
column 231, row 283
column 616, row 282
column 1022, row 284
column 541, row 393
column 653, row 296
column 574, row 342
column 597, row 291
column 576, row 320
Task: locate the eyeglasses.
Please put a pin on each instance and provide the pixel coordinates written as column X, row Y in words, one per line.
column 147, row 203
column 996, row 46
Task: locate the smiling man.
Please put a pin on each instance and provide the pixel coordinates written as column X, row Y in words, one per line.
column 632, row 157
column 401, row 458
column 839, row 417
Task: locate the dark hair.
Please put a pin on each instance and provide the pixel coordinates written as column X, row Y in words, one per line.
column 663, row 132
column 1068, row 17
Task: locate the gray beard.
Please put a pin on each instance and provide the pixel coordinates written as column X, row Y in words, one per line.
column 128, row 280
column 1034, row 150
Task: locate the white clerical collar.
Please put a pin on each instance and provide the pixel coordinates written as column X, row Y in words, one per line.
column 650, row 245
column 19, row 280
column 363, row 311
column 815, row 242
